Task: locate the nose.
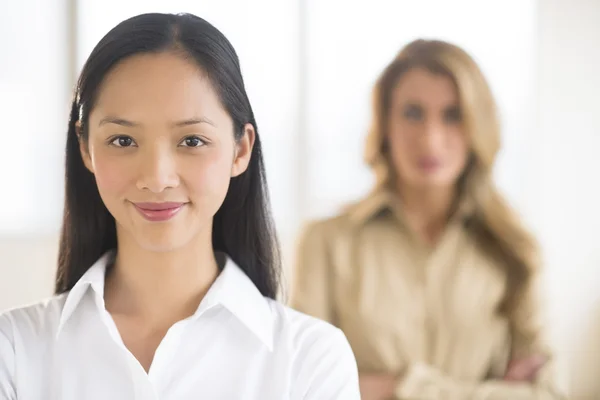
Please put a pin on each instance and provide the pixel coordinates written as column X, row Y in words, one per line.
column 434, row 134
column 157, row 170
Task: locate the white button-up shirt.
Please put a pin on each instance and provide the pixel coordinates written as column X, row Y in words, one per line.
column 238, row 345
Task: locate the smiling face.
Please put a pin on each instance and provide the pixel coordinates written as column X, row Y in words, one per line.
column 162, row 149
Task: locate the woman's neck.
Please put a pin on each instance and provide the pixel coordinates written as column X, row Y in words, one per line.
column 160, row 288
column 427, row 210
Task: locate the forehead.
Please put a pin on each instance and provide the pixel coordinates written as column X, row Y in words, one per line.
column 423, row 87
column 157, row 85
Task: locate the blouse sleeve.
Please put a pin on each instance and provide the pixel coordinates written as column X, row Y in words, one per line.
column 425, row 383
column 312, row 285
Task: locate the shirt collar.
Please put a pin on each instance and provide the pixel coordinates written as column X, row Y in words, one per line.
column 93, row 278
column 382, row 200
column 232, row 289
column 371, row 206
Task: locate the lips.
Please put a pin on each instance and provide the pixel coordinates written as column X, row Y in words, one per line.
column 429, row 164
column 158, row 212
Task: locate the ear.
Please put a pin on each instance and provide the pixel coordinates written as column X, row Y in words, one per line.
column 84, row 148
column 243, row 151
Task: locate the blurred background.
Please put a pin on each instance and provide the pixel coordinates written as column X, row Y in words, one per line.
column 309, row 67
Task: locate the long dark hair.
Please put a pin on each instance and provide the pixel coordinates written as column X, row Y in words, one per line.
column 242, row 227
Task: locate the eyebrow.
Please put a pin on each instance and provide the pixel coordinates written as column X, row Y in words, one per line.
column 178, row 124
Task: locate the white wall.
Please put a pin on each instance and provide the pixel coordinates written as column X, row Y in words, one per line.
column 34, row 95
column 33, row 104
column 27, row 270
column 567, row 191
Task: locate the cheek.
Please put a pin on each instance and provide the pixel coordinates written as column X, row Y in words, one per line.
column 208, row 175
column 112, row 177
column 401, row 146
column 458, row 147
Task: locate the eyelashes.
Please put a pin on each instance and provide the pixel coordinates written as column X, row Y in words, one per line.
column 124, row 141
column 413, row 112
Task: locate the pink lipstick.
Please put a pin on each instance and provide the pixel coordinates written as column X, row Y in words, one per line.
column 429, row 164
column 158, row 212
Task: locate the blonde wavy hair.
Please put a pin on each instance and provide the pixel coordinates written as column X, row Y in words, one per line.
column 494, row 223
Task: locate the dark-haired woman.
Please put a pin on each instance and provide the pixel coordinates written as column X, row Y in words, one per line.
column 168, row 267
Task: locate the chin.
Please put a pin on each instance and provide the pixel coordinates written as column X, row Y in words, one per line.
column 160, row 246
column 434, row 181
column 162, row 240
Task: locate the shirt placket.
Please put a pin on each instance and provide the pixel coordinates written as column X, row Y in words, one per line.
column 440, row 260
column 143, row 388
column 421, row 255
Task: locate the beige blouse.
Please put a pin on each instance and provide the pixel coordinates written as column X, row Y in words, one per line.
column 430, row 313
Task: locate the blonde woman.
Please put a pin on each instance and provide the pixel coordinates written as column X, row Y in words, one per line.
column 432, row 275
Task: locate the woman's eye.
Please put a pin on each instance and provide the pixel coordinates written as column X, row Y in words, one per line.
column 453, row 115
column 123, row 141
column 413, row 113
column 192, row 141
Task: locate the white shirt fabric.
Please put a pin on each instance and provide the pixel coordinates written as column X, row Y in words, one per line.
column 238, row 345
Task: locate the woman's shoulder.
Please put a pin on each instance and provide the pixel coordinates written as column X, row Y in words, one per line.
column 306, row 334
column 318, row 348
column 351, row 216
column 32, row 321
column 303, row 327
column 326, row 228
column 327, row 225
